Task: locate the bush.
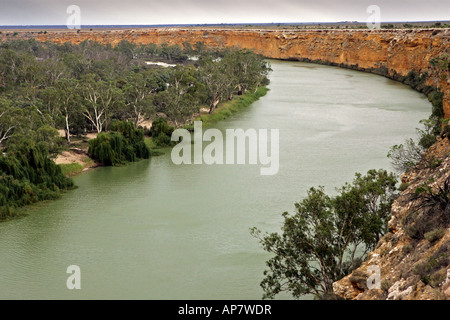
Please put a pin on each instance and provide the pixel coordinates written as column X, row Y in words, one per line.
column 430, row 271
column 125, row 144
column 28, row 176
column 434, row 235
column 403, row 186
column 161, row 132
column 431, row 211
column 405, row 156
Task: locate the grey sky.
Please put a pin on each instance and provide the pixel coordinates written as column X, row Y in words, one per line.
column 32, row 12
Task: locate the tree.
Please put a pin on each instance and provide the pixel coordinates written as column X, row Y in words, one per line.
column 327, row 236
column 7, row 123
column 139, row 90
column 218, row 80
column 249, row 69
column 63, row 99
column 99, row 99
column 183, row 96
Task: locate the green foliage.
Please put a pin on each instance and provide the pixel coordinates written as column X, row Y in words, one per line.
column 124, row 144
column 327, row 236
column 403, row 186
column 405, row 157
column 427, row 135
column 228, row 108
column 434, row 235
column 89, row 87
column 432, row 271
column 28, row 176
column 70, row 169
column 161, row 132
column 436, row 99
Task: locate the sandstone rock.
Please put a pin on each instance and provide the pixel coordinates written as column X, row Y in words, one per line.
column 382, row 51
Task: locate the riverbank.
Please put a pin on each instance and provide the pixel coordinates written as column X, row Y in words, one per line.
column 76, row 160
column 182, row 232
column 392, row 52
column 228, row 108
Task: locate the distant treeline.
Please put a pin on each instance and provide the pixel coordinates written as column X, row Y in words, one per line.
column 92, row 87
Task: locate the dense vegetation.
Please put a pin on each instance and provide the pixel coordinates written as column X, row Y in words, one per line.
column 81, row 88
column 124, row 143
column 110, row 91
column 28, row 175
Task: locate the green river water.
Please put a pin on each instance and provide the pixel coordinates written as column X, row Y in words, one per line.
column 155, row 230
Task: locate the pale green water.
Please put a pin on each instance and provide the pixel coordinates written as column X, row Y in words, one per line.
column 154, row 230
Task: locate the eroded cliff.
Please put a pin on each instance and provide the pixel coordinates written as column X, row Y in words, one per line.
column 413, row 259
column 392, row 53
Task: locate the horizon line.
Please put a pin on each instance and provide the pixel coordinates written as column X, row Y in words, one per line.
column 223, row 23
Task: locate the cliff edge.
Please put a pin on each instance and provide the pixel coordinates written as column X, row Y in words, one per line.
column 392, row 53
column 413, row 259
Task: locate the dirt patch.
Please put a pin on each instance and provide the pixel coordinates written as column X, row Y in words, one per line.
column 72, row 156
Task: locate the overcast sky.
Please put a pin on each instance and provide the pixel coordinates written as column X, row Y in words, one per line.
column 150, row 12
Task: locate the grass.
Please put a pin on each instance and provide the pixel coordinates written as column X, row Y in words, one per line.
column 154, row 149
column 71, row 169
column 228, row 108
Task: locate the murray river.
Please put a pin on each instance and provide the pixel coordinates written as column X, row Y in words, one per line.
column 156, row 230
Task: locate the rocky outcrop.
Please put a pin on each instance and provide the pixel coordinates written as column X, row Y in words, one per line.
column 412, row 266
column 391, row 53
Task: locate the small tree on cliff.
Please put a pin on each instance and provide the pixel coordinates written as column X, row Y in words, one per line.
column 327, row 237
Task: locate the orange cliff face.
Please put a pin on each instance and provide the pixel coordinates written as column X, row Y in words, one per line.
column 388, row 52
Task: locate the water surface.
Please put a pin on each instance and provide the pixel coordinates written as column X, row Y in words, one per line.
column 154, row 230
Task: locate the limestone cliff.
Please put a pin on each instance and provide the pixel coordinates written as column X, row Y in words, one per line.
column 392, row 53
column 413, row 265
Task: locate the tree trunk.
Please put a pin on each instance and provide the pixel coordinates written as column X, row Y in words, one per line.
column 240, row 90
column 67, row 130
column 213, row 106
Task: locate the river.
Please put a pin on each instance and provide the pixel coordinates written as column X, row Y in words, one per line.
column 156, row 230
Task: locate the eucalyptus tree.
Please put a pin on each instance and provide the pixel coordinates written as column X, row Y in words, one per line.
column 7, row 121
column 218, row 79
column 184, row 94
column 139, row 89
column 63, row 100
column 99, row 98
column 249, row 69
column 327, row 237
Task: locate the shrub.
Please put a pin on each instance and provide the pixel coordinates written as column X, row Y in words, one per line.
column 430, row 271
column 161, row 132
column 405, row 156
column 431, row 211
column 27, row 176
column 125, row 144
column 407, row 248
column 434, row 235
column 403, row 186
